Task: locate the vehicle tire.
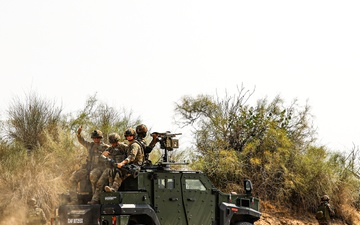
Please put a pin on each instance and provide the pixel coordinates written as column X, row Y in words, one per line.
column 243, row 223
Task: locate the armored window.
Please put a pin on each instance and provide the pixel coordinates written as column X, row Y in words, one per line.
column 161, row 183
column 170, row 184
column 166, row 183
column 194, row 184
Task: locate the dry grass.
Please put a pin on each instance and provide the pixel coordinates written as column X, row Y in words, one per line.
column 43, row 174
column 351, row 215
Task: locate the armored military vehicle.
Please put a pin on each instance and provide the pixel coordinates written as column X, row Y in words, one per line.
column 159, row 195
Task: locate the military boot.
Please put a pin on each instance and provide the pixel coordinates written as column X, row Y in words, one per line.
column 109, row 189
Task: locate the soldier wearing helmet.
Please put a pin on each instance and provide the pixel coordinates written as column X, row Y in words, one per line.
column 94, row 166
column 116, row 152
column 135, row 156
column 135, row 150
column 324, row 212
column 141, row 131
column 325, row 198
column 35, row 215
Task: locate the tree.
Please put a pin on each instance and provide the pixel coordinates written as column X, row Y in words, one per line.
column 101, row 116
column 231, row 123
column 28, row 120
column 266, row 138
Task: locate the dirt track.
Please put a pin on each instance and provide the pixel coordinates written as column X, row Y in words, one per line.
column 278, row 219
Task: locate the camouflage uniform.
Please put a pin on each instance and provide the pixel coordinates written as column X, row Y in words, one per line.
column 135, row 155
column 117, row 153
column 327, row 209
column 35, row 215
column 94, row 168
column 141, row 131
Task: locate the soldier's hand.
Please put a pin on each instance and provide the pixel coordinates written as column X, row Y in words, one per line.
column 79, row 130
column 106, row 153
column 155, row 136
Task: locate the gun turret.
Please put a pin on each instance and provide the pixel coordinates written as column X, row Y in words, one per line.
column 168, row 143
column 167, row 140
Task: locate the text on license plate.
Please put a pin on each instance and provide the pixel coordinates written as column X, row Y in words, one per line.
column 79, row 220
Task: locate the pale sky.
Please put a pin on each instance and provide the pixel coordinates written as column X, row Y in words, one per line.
column 146, row 55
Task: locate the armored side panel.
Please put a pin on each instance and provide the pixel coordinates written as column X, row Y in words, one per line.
column 111, row 198
column 129, row 197
column 168, row 198
column 199, row 200
column 131, row 183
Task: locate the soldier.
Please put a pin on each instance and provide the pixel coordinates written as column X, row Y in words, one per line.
column 324, row 212
column 94, row 166
column 117, row 152
column 36, row 215
column 135, row 156
column 141, row 131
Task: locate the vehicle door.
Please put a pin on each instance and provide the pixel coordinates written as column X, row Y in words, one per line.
column 199, row 201
column 168, row 203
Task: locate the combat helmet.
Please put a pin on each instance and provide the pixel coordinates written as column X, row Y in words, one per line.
column 32, row 202
column 114, row 138
column 325, row 198
column 96, row 134
column 141, row 130
column 130, row 132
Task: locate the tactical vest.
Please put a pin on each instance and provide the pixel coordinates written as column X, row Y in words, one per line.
column 139, row 158
column 117, row 154
column 119, row 157
column 94, row 155
column 322, row 213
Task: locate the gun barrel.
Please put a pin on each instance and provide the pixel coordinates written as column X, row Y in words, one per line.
column 166, row 134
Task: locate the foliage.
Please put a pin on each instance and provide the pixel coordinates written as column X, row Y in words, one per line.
column 98, row 115
column 232, row 124
column 270, row 143
column 42, row 174
column 223, row 168
column 27, row 121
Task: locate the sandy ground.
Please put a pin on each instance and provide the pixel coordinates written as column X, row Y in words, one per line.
column 278, row 219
